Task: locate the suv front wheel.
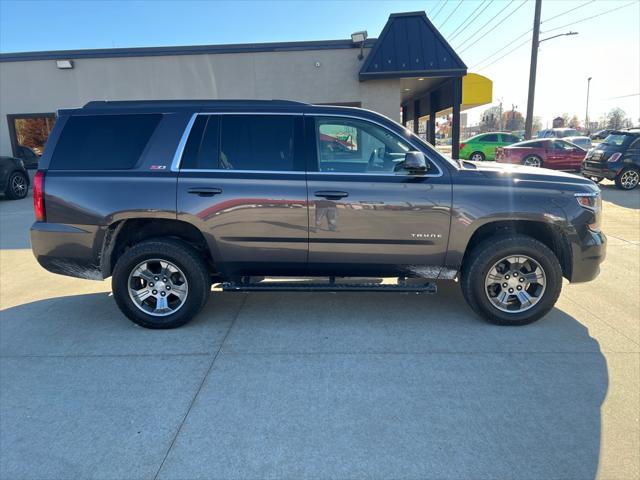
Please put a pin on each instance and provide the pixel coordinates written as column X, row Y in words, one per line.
column 511, row 280
column 160, row 283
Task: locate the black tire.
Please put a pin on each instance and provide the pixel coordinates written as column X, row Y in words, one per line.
column 621, row 180
column 479, row 154
column 534, row 158
column 181, row 255
column 17, row 186
column 492, row 250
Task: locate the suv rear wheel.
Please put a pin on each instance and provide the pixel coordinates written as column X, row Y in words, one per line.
column 512, row 280
column 160, row 283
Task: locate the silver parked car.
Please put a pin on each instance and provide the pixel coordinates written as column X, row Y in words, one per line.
column 581, row 141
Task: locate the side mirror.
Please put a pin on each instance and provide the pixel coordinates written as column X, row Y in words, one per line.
column 415, row 163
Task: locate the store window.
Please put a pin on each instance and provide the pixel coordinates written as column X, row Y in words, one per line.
column 29, row 134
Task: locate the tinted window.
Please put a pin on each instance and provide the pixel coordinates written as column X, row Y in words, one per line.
column 103, row 142
column 510, row 138
column 490, row 138
column 202, row 148
column 257, row 142
column 356, row 146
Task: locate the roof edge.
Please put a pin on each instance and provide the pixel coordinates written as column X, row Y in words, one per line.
column 182, row 50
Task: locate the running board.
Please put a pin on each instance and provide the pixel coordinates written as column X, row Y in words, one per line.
column 327, row 287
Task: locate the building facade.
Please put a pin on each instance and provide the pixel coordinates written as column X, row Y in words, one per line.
column 409, row 69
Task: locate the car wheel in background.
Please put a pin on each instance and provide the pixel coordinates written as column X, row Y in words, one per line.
column 628, row 178
column 161, row 283
column 595, row 179
column 511, row 280
column 18, row 186
column 532, row 161
column 477, row 157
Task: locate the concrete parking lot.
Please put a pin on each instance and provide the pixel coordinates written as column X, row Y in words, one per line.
column 315, row 386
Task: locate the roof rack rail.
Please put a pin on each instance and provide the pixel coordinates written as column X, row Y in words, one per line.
column 97, row 104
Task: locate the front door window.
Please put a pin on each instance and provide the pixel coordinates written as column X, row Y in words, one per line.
column 355, row 146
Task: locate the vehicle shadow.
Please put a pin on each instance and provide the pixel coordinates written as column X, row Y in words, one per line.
column 454, row 396
column 626, row 199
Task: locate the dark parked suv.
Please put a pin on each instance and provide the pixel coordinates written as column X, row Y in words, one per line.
column 616, row 158
column 168, row 197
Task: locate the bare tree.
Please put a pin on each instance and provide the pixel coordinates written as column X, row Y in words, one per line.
column 616, row 118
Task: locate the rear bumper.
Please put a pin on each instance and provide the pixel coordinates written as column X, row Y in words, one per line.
column 67, row 250
column 587, row 255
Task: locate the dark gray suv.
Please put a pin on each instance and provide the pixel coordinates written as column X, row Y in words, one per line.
column 169, row 197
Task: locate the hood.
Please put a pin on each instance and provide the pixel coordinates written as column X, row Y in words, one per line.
column 521, row 172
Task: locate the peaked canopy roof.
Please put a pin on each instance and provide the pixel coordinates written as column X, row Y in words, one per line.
column 411, row 46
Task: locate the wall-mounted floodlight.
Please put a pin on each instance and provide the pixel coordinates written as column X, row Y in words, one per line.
column 359, row 38
column 64, row 64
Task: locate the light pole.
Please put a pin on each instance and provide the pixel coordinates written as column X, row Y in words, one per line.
column 535, row 44
column 586, row 115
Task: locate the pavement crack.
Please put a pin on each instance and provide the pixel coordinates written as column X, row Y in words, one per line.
column 195, row 396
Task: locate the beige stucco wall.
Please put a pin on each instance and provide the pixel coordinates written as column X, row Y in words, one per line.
column 38, row 86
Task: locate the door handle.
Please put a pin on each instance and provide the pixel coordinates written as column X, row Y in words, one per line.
column 331, row 194
column 205, row 191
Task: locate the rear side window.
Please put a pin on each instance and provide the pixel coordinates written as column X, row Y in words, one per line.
column 103, row 142
column 489, row 138
column 257, row 142
column 510, row 138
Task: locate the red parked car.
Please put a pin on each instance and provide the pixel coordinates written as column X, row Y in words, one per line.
column 553, row 153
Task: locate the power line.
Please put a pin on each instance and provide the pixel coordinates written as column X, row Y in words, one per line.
column 621, row 96
column 468, row 17
column 439, row 10
column 528, row 40
column 507, row 45
column 470, row 37
column 473, row 20
column 497, row 25
column 435, row 6
column 591, row 17
column 567, row 11
column 449, row 16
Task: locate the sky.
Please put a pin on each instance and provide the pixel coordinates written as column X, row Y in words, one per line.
column 491, row 36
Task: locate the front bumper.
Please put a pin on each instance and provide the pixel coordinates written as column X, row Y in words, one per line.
column 587, row 255
column 600, row 170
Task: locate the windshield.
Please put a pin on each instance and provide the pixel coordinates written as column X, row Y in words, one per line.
column 617, row 139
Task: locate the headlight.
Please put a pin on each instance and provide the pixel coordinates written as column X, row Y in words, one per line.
column 591, row 201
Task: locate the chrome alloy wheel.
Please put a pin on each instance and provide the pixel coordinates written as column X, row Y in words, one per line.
column 18, row 185
column 532, row 162
column 515, row 284
column 629, row 179
column 476, row 157
column 158, row 287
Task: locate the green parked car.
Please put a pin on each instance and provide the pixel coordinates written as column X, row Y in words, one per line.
column 483, row 146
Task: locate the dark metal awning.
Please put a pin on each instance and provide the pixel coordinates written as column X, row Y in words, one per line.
column 411, row 46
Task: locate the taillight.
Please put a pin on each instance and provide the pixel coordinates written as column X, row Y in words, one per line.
column 614, row 157
column 38, row 196
column 461, row 146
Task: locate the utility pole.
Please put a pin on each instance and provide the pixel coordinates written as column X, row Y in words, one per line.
column 500, row 117
column 586, row 115
column 528, row 124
